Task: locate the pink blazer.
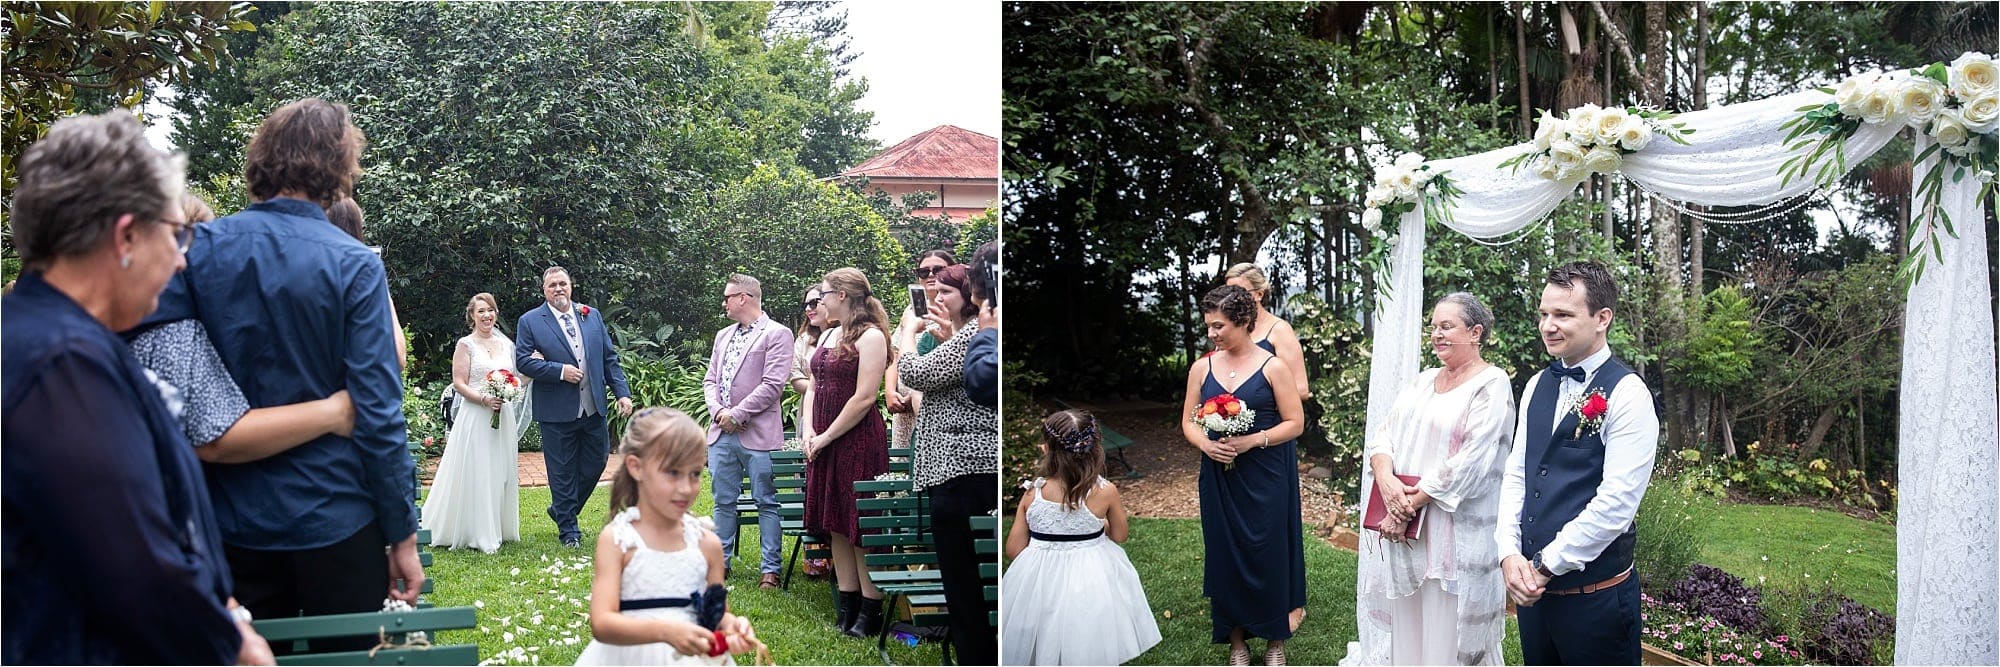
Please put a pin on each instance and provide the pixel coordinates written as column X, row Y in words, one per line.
column 757, row 390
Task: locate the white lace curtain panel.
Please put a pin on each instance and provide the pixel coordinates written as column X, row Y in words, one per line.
column 1948, row 591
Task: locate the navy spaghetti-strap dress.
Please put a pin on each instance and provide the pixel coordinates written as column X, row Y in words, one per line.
column 1254, row 572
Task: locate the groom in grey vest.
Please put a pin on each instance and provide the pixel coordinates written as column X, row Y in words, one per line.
column 1583, row 454
column 564, row 346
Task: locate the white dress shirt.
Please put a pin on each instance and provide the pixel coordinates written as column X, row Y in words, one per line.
column 1631, row 432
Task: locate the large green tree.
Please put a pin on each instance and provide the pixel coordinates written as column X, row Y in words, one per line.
column 505, row 137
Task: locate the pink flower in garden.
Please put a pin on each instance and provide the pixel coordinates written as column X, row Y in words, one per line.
column 1782, row 639
column 1757, row 654
column 1677, row 646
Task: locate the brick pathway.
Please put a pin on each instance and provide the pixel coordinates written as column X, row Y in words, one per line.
column 532, row 471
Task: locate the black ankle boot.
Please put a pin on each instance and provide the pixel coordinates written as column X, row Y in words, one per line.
column 868, row 620
column 844, row 607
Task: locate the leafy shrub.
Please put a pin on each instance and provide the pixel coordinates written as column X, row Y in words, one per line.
column 1831, row 628
column 1020, row 430
column 1672, row 518
column 1337, row 369
column 1709, row 591
column 1692, row 635
column 1782, row 473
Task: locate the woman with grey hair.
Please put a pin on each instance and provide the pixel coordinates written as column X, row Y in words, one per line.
column 113, row 552
column 1440, row 453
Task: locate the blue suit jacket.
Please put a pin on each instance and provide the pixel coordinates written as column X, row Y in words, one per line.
column 555, row 400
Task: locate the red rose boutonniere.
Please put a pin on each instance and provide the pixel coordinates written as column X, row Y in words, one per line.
column 1590, row 412
column 584, row 311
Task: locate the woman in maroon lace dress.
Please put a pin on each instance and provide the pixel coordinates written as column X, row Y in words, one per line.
column 850, row 443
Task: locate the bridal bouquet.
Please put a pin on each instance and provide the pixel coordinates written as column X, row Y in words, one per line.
column 1594, row 140
column 502, row 384
column 1226, row 415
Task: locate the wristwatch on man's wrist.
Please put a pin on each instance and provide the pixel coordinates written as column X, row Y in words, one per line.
column 1539, row 567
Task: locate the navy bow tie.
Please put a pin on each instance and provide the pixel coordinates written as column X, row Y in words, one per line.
column 1557, row 369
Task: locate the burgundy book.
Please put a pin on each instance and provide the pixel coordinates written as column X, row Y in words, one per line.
column 1372, row 518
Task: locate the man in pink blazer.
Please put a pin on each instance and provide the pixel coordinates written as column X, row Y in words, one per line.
column 743, row 388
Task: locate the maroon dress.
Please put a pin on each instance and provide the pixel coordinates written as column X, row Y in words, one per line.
column 859, row 455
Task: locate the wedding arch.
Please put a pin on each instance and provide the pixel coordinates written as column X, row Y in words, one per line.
column 1769, row 155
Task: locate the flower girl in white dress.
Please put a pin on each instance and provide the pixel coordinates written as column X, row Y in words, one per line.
column 657, row 597
column 1072, row 595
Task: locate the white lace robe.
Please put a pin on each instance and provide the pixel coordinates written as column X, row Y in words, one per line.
column 1457, row 442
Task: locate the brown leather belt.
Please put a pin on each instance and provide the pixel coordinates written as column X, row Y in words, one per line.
column 1614, row 581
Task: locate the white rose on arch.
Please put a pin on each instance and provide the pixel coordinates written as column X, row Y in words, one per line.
column 1602, row 159
column 1609, row 122
column 1410, row 161
column 1921, row 98
column 1548, row 129
column 1634, row 134
column 1371, row 220
column 1948, row 129
column 1973, row 75
column 1548, row 169
column 1982, row 114
column 1379, row 195
column 1881, row 105
column 1851, row 91
column 1565, row 153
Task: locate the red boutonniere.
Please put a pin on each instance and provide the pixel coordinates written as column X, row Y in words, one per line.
column 583, row 311
column 1590, row 412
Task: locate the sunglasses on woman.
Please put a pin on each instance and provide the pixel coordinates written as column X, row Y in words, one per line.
column 928, row 271
column 812, row 303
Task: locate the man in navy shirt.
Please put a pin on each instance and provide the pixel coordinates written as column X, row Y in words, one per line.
column 298, row 309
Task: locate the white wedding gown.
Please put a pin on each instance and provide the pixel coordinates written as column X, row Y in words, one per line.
column 475, row 501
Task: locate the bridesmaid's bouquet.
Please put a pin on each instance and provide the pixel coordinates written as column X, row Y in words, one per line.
column 502, row 384
column 1225, row 414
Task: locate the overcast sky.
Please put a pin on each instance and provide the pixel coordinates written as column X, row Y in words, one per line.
column 928, row 64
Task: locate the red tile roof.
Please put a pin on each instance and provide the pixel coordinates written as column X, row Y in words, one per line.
column 945, row 151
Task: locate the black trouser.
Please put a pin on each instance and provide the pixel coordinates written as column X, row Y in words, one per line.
column 348, row 576
column 953, row 503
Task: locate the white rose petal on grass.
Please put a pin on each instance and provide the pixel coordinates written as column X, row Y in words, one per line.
column 479, row 604
column 1982, row 114
column 1974, row 74
column 1949, row 130
column 1921, row 98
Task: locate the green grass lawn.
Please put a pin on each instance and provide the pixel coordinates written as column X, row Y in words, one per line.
column 1857, row 556
column 1786, row 544
column 533, row 608
column 1167, row 554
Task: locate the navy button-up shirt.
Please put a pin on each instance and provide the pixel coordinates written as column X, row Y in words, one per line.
column 299, row 309
column 111, row 551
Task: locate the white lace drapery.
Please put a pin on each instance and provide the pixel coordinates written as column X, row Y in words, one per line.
column 1946, row 606
column 1947, row 540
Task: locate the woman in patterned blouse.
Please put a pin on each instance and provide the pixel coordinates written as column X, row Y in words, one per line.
column 214, row 415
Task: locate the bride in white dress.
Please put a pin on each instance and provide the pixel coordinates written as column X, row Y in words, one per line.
column 475, row 500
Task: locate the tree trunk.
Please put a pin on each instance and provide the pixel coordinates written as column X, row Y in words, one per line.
column 1697, row 243
column 1667, row 318
column 1492, row 65
column 1521, row 67
column 1610, row 233
column 1819, row 428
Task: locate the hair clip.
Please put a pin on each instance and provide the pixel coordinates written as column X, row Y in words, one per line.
column 1076, row 442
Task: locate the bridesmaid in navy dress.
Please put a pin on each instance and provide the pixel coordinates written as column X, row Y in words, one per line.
column 1254, row 568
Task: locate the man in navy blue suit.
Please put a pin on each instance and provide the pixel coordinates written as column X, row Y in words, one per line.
column 1583, row 455
column 564, row 346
